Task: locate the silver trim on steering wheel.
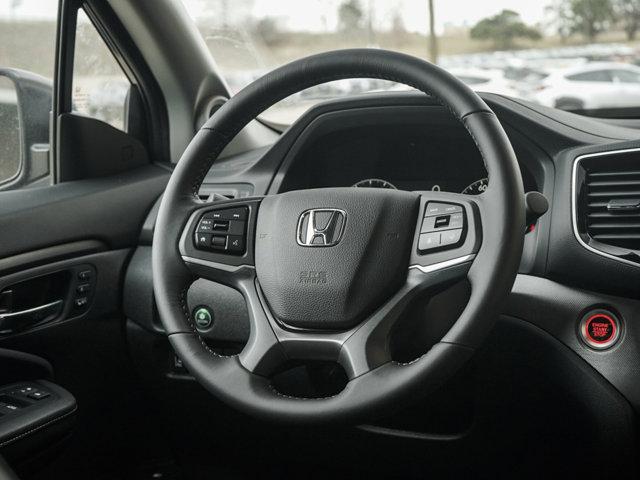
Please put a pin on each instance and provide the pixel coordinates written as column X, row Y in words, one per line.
column 439, row 266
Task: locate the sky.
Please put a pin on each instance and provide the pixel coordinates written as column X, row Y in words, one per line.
column 321, row 14
column 38, row 9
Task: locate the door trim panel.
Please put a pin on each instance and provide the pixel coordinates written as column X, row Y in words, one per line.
column 107, row 284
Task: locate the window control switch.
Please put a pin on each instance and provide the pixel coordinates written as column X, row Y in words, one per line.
column 38, row 394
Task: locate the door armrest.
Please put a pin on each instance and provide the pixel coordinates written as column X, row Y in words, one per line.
column 34, row 416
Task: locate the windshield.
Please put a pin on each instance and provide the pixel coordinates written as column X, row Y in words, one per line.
column 577, row 55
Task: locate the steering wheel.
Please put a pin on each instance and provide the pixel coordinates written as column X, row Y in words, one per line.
column 328, row 273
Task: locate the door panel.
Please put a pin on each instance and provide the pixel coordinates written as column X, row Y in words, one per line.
column 87, row 354
column 64, row 247
column 49, row 238
column 99, row 274
column 109, row 209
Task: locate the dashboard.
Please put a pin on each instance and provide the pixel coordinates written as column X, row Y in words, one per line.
column 409, row 142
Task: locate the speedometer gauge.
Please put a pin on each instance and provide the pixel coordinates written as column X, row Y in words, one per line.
column 375, row 183
column 477, row 187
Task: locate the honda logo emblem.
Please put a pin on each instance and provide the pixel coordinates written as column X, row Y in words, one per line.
column 321, row 227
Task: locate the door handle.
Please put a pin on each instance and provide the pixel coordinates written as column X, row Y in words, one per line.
column 11, row 322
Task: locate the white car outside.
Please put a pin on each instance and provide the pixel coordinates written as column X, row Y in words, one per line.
column 594, row 85
column 478, row 79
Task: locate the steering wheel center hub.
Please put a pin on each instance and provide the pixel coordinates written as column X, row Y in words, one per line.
column 327, row 258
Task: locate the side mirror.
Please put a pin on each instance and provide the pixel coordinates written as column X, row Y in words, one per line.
column 25, row 105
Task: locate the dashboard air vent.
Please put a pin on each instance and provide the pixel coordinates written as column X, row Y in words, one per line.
column 607, row 189
column 613, row 215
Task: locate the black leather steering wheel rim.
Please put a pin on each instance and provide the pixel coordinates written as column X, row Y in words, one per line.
column 491, row 274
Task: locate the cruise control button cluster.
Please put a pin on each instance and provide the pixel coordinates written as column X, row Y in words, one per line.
column 442, row 227
column 223, row 230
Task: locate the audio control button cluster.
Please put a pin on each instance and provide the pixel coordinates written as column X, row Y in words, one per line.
column 223, row 230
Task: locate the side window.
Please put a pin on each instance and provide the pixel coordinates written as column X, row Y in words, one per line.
column 100, row 87
column 626, row 76
column 595, row 76
column 27, row 57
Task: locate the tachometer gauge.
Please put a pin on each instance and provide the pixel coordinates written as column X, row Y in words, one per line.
column 374, row 183
column 477, row 187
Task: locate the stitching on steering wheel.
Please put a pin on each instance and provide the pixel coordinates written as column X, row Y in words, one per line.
column 415, row 360
column 284, row 395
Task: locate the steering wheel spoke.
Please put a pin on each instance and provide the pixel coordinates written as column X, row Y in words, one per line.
column 367, row 348
column 263, row 352
column 359, row 350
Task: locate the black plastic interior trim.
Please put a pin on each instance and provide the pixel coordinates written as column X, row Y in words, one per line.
column 65, row 51
column 84, row 210
column 90, row 148
column 49, row 254
column 63, row 76
column 557, row 309
column 549, row 393
column 21, row 366
column 569, row 120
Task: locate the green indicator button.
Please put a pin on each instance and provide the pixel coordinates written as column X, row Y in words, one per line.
column 203, row 317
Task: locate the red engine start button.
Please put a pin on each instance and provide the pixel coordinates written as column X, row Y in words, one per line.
column 600, row 329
